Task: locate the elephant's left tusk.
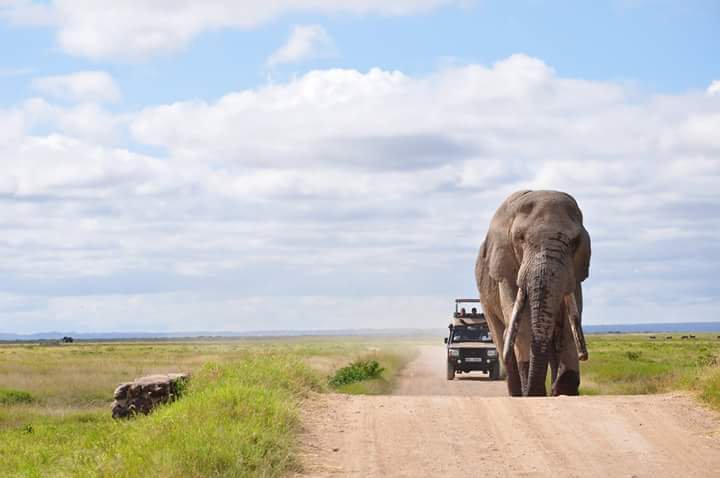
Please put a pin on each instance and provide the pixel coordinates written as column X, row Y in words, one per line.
column 574, row 318
column 513, row 327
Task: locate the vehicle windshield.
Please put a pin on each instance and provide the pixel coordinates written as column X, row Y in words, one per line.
column 471, row 333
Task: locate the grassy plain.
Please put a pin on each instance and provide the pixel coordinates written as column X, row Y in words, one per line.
column 636, row 364
column 238, row 417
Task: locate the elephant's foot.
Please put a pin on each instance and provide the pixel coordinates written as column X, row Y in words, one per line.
column 567, row 384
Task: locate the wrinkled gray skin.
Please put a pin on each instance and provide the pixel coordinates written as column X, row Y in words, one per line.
column 537, row 243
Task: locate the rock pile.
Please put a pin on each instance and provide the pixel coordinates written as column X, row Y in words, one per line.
column 146, row 393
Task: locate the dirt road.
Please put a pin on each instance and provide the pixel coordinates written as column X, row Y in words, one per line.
column 433, row 427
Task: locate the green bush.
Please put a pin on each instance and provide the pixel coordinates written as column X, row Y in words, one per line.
column 12, row 397
column 632, row 355
column 356, row 372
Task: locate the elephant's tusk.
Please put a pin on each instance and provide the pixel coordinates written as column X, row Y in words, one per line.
column 513, row 326
column 574, row 318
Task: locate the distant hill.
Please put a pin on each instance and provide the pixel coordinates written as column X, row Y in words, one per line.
column 590, row 329
column 6, row 337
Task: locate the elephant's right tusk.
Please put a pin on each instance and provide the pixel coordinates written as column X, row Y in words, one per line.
column 574, row 318
column 513, row 326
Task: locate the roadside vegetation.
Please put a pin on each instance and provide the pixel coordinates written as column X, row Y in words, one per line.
column 373, row 374
column 238, row 417
column 357, row 371
column 636, row 364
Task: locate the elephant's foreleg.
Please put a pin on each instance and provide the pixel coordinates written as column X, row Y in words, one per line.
column 517, row 370
column 514, row 382
column 567, row 379
column 557, row 348
column 567, row 383
column 522, row 354
column 497, row 329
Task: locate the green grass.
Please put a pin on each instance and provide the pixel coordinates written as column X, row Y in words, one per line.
column 237, row 419
column 238, row 416
column 12, row 397
column 635, row 364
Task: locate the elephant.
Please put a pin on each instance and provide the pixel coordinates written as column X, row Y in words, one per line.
column 529, row 272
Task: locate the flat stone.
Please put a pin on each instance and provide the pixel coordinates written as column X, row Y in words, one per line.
column 145, row 393
column 122, row 391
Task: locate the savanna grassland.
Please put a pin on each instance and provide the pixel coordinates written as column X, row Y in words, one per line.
column 238, row 416
column 635, row 364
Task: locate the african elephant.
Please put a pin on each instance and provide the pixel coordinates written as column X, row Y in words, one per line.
column 528, row 272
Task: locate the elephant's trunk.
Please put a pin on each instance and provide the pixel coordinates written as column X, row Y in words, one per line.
column 541, row 325
column 547, row 286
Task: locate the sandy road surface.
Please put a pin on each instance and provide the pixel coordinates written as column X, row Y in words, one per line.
column 463, row 428
column 426, row 376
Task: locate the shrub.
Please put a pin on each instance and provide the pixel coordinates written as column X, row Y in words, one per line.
column 356, row 372
column 632, row 355
column 11, row 397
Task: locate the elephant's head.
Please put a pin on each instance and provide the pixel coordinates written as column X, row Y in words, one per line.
column 537, row 244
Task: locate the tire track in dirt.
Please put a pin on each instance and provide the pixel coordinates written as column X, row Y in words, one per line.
column 462, row 428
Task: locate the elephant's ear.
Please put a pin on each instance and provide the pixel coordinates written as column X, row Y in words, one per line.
column 582, row 256
column 499, row 253
column 498, row 249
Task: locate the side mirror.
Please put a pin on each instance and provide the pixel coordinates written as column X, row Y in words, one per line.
column 445, row 340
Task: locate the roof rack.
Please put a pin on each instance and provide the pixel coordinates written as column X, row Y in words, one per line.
column 457, row 301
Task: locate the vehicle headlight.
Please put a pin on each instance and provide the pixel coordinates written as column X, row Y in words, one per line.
column 453, row 352
column 492, row 353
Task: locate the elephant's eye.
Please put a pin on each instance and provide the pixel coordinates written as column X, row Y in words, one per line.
column 575, row 243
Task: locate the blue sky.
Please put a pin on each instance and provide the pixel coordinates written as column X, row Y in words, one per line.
column 174, row 166
column 666, row 46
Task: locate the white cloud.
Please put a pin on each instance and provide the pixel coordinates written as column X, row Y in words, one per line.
column 355, row 192
column 83, row 86
column 714, row 88
column 387, row 120
column 306, row 42
column 85, row 121
column 138, row 28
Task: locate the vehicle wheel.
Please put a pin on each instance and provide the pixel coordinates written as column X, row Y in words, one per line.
column 450, row 371
column 495, row 371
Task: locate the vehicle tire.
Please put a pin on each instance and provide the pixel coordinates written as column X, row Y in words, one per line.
column 495, row 371
column 450, row 371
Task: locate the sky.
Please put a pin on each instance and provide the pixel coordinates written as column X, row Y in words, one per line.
column 224, row 165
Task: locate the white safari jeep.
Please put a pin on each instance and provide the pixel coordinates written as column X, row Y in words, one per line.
column 469, row 344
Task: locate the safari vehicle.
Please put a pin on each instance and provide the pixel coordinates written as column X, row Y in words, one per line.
column 469, row 343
